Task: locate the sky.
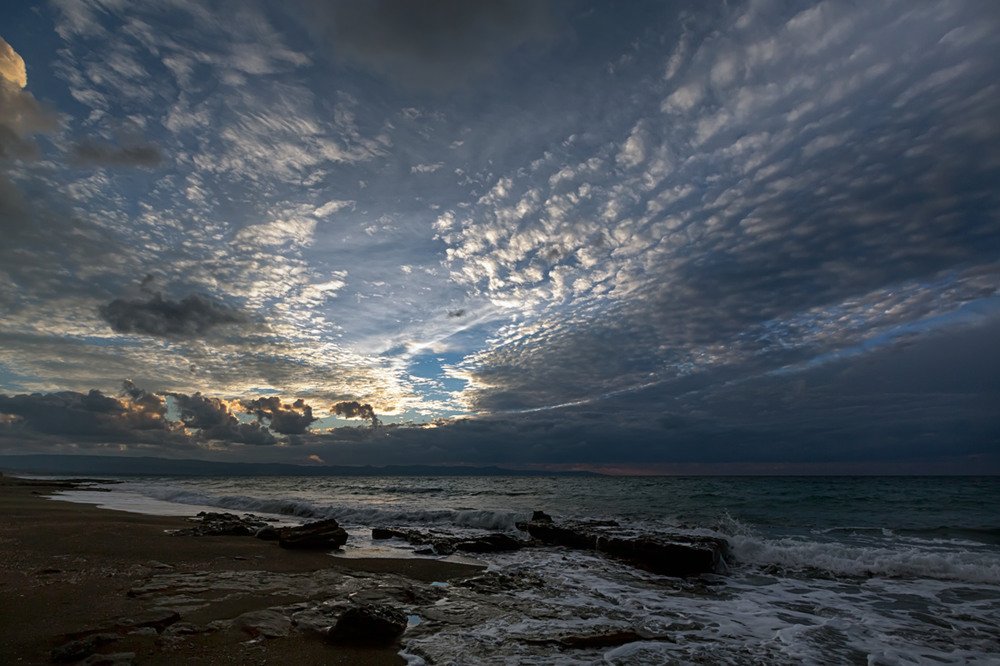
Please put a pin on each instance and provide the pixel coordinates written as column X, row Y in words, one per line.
column 755, row 236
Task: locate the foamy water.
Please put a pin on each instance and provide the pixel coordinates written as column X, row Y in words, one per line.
column 866, row 571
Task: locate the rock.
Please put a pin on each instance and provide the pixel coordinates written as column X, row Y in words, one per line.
column 439, row 544
column 372, row 624
column 268, row 533
column 689, row 557
column 382, row 533
column 443, row 547
column 325, row 534
column 316, row 621
column 571, row 535
column 183, row 629
column 491, row 543
column 678, row 555
column 266, row 623
column 494, row 582
column 540, row 517
column 114, row 659
column 77, row 649
column 158, row 620
column 224, row 524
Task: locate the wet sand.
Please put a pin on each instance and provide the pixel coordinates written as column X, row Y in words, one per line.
column 68, row 570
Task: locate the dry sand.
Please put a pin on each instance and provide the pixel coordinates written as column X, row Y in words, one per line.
column 66, row 570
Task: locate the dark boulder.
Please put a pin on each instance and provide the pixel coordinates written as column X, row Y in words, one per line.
column 540, row 517
column 322, row 534
column 370, row 624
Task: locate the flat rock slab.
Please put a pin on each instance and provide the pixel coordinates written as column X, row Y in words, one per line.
column 678, row 555
column 266, row 623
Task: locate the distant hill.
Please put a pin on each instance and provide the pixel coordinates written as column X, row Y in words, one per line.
column 146, row 466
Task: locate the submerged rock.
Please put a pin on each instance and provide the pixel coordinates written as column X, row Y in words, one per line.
column 678, row 555
column 372, row 624
column 322, row 534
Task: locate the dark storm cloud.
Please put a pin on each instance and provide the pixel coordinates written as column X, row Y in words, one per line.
column 92, row 417
column 920, row 406
column 102, row 154
column 215, row 421
column 435, row 44
column 355, row 410
column 193, row 316
column 285, row 418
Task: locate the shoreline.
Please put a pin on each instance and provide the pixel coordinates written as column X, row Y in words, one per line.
column 70, row 570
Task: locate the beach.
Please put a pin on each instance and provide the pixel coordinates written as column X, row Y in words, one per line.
column 71, row 570
column 814, row 570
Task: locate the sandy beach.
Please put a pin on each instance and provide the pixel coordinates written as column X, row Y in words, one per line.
column 70, row 571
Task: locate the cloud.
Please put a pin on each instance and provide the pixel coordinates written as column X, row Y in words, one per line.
column 12, row 69
column 20, row 113
column 193, row 316
column 764, row 195
column 355, row 410
column 95, row 153
column 432, row 45
column 285, row 418
column 88, row 417
column 214, row 420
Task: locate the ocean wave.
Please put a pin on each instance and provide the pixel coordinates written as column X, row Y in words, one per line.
column 359, row 514
column 408, row 490
column 971, row 536
column 895, row 559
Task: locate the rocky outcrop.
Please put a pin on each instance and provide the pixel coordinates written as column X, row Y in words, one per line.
column 372, row 624
column 446, row 545
column 223, row 524
column 678, row 555
column 322, row 534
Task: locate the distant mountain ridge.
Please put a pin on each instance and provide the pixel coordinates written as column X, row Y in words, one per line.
column 148, row 466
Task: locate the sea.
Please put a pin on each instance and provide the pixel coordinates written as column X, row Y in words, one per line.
column 821, row 570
